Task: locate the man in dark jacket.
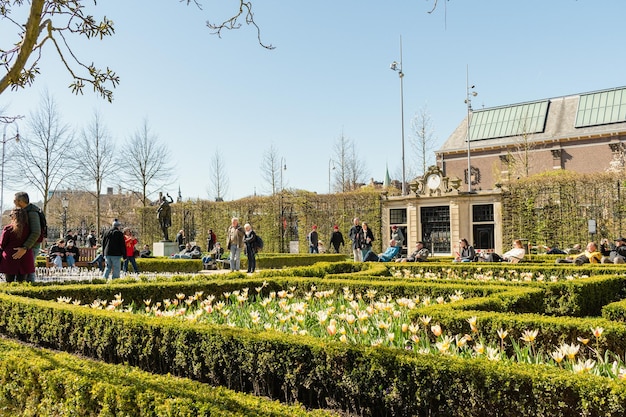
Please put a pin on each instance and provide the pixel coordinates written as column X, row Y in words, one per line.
column 113, row 248
column 354, row 233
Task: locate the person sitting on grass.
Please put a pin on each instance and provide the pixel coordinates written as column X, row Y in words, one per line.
column 591, row 255
column 387, row 256
column 214, row 255
column 420, row 254
column 514, row 255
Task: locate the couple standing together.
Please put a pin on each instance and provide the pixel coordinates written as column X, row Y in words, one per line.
column 20, row 241
column 362, row 238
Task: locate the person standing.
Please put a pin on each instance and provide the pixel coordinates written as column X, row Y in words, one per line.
column 336, row 239
column 113, row 248
column 397, row 235
column 366, row 237
column 180, row 239
column 235, row 243
column 13, row 236
column 250, row 241
column 354, row 234
column 91, row 239
column 313, row 239
column 211, row 239
column 33, row 241
column 129, row 242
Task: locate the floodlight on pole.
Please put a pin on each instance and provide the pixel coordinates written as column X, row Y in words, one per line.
column 468, row 100
column 397, row 66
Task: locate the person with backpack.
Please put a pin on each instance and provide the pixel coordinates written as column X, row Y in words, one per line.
column 250, row 240
column 35, row 237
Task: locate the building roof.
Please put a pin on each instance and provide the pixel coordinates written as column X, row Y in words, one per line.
column 586, row 115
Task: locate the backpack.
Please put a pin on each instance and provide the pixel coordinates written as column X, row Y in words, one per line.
column 43, row 224
column 259, row 242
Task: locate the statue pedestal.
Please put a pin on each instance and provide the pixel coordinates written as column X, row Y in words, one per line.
column 164, row 248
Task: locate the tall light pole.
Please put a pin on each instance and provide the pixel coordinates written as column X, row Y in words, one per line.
column 468, row 100
column 4, row 142
column 330, row 164
column 395, row 66
column 65, row 202
column 283, row 167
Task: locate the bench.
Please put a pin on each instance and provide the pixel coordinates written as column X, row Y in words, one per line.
column 86, row 255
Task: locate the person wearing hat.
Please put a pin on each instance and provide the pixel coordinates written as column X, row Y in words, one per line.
column 336, row 239
column 313, row 239
column 617, row 255
column 113, row 248
column 397, row 235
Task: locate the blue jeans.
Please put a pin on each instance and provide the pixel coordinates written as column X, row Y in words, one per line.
column 31, row 277
column 133, row 262
column 71, row 262
column 235, row 257
column 313, row 249
column 113, row 264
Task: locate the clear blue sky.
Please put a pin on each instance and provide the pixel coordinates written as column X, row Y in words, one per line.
column 328, row 74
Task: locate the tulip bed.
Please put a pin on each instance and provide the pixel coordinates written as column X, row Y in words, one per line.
column 364, row 339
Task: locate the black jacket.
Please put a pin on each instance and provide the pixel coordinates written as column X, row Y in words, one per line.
column 113, row 243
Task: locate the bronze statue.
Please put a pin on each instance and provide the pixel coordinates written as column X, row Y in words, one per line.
column 164, row 214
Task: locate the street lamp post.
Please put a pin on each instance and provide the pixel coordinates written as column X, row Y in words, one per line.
column 4, row 142
column 468, row 100
column 395, row 66
column 65, row 202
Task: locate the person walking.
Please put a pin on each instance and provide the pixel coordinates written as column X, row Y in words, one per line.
column 251, row 248
column 354, row 233
column 235, row 243
column 129, row 242
column 211, row 239
column 13, row 236
column 313, row 239
column 35, row 237
column 336, row 239
column 180, row 239
column 113, row 248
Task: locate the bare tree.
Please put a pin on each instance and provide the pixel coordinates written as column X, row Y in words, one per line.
column 96, row 152
column 423, row 142
column 349, row 168
column 519, row 157
column 217, row 176
column 145, row 162
column 44, row 155
column 55, row 21
column 271, row 168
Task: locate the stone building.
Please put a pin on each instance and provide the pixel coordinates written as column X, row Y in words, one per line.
column 585, row 133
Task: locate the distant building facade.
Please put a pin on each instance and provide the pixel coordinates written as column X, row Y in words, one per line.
column 585, row 133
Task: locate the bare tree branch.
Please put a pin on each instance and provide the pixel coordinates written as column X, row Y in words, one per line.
column 52, row 21
column 245, row 10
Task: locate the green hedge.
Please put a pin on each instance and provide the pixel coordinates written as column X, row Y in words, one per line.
column 358, row 380
column 41, row 382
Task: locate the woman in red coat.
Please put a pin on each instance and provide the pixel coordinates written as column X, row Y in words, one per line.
column 13, row 236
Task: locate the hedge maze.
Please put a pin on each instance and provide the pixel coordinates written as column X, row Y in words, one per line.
column 334, row 338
